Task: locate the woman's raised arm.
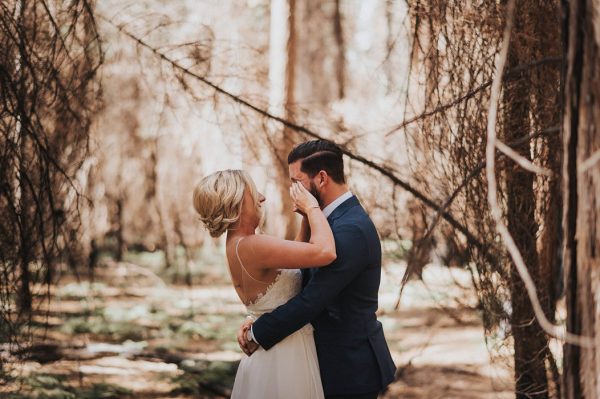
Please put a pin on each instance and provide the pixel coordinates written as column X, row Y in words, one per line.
column 268, row 252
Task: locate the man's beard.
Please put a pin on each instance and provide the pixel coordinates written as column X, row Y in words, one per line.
column 314, row 192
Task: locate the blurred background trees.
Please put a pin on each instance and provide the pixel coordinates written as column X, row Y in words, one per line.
column 112, row 110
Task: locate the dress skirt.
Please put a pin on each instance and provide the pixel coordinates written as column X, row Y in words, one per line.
column 288, row 370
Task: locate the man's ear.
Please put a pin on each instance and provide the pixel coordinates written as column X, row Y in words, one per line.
column 323, row 178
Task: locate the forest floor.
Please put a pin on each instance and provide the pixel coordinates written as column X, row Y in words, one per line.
column 130, row 335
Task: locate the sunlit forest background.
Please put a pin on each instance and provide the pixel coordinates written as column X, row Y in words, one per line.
column 471, row 136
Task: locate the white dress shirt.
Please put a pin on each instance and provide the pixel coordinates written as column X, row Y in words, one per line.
column 328, row 210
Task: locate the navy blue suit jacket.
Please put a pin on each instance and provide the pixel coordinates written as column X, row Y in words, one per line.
column 340, row 300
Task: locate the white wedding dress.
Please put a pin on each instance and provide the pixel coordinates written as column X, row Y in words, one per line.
column 290, row 369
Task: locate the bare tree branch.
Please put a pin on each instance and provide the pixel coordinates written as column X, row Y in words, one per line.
column 448, row 201
column 513, row 73
column 589, row 163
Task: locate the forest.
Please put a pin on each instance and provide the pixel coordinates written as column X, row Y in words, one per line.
column 471, row 136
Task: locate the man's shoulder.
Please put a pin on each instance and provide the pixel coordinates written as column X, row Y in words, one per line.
column 358, row 226
column 354, row 216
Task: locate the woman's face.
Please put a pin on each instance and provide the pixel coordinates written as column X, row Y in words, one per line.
column 252, row 211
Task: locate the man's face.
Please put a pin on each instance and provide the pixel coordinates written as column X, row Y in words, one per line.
column 296, row 175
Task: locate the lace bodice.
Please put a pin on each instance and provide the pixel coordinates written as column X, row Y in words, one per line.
column 287, row 284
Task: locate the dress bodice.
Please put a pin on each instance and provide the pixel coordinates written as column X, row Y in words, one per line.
column 289, row 369
column 287, row 284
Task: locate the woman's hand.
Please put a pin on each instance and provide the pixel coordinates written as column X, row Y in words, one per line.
column 303, row 199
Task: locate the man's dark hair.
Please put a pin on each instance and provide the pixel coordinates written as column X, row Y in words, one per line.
column 317, row 155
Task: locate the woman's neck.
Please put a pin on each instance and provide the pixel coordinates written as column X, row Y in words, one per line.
column 240, row 230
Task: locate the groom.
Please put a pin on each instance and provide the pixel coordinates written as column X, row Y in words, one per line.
column 340, row 300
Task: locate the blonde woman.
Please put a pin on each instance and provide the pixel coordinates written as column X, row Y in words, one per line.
column 265, row 273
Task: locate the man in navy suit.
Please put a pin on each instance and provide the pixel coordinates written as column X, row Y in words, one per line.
column 340, row 300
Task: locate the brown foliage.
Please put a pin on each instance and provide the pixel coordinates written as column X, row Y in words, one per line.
column 49, row 55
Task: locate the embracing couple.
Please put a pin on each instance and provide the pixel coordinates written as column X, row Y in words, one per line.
column 312, row 331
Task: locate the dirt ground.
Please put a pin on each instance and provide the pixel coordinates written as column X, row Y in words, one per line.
column 130, row 335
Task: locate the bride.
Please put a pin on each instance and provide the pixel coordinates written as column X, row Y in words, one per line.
column 265, row 273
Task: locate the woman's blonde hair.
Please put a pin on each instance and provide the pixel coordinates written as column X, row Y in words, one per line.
column 218, row 199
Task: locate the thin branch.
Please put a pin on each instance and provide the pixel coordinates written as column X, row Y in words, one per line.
column 513, row 73
column 589, row 163
column 450, row 199
column 522, row 161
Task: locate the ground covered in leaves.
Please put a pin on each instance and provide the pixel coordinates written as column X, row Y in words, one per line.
column 130, row 334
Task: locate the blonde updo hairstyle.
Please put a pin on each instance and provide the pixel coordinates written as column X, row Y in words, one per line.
column 218, row 199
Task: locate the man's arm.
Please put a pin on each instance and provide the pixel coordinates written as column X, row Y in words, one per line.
column 322, row 289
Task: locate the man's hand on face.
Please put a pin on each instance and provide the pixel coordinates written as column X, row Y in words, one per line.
column 249, row 347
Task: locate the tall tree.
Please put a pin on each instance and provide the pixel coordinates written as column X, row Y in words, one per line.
column 581, row 189
column 456, row 57
column 306, row 74
column 282, row 72
column 531, row 102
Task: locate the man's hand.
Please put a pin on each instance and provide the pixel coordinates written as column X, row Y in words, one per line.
column 242, row 336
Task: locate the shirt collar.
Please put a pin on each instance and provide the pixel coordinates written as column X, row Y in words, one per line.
column 328, row 210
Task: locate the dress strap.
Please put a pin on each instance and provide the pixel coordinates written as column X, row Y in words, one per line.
column 237, row 244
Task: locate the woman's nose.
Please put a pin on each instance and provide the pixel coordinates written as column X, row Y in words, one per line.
column 261, row 198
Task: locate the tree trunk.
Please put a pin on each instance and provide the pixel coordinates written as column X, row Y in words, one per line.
column 153, row 196
column 340, row 59
column 529, row 339
column 581, row 190
column 120, row 224
column 306, row 73
column 282, row 59
column 26, row 221
column 546, row 105
column 520, row 114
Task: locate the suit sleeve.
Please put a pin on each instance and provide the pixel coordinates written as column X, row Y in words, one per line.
column 325, row 285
